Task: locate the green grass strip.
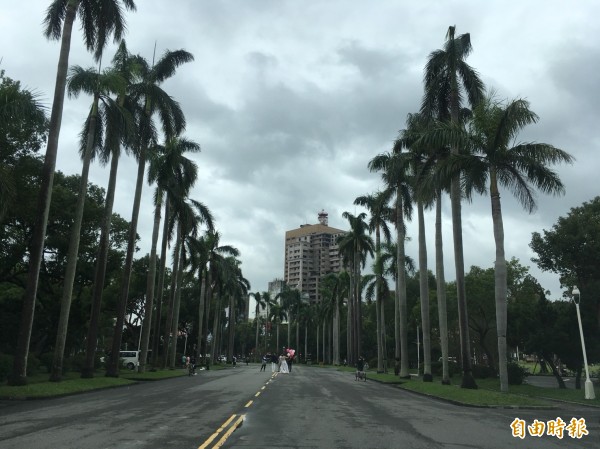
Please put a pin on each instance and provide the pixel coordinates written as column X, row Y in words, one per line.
column 51, row 389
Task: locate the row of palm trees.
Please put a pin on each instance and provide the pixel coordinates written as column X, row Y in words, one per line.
column 129, row 111
column 446, row 148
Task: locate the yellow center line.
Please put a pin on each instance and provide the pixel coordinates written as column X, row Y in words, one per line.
column 248, row 404
column 219, row 430
column 227, row 434
column 257, row 394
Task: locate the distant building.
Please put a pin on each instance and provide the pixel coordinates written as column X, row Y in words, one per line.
column 311, row 252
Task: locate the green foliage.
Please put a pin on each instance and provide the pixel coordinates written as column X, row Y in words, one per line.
column 483, row 371
column 516, row 373
column 437, row 369
column 6, row 362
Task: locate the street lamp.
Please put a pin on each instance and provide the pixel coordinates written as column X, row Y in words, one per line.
column 589, row 386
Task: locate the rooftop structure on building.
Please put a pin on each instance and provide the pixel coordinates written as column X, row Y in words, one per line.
column 311, row 252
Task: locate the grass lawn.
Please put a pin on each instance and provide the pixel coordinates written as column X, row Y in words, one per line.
column 39, row 387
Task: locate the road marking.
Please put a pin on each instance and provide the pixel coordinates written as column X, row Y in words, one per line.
column 257, row 394
column 262, row 388
column 218, row 431
column 248, row 404
column 227, row 434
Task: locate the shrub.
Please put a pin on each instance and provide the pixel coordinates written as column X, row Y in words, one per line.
column 483, row 371
column 33, row 365
column 437, row 369
column 516, row 373
column 46, row 360
column 6, row 363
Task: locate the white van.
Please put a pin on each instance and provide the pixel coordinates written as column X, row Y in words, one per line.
column 131, row 359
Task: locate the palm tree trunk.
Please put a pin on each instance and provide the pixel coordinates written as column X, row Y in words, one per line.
column 36, row 253
column 169, row 331
column 217, row 313
column 231, row 326
column 72, row 252
column 161, row 285
column 112, row 369
column 401, row 312
column 201, row 307
column 349, row 321
column 336, row 332
column 500, row 282
column 441, row 288
column 424, row 293
column 100, row 274
column 257, row 322
column 378, row 301
column 463, row 322
column 147, row 323
column 177, row 302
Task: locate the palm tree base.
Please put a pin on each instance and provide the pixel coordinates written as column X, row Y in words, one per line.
column 446, row 382
column 427, row 378
column 468, row 382
column 86, row 373
column 17, row 381
column 55, row 377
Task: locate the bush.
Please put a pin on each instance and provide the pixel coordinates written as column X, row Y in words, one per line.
column 483, row 371
column 33, row 365
column 6, row 363
column 516, row 373
column 46, row 360
column 437, row 369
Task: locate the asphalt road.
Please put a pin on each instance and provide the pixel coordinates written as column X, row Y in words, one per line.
column 244, row 408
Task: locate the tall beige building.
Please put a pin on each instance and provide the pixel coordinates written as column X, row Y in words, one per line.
column 311, row 252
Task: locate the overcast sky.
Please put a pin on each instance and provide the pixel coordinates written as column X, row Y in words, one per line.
column 289, row 100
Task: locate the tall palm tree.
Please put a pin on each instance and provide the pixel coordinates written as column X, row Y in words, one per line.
column 395, row 168
column 416, row 125
column 171, row 171
column 494, row 158
column 100, row 86
column 381, row 213
column 447, row 77
column 188, row 215
column 20, row 110
column 278, row 314
column 100, row 20
column 216, row 256
column 355, row 246
column 120, row 129
column 260, row 304
column 156, row 102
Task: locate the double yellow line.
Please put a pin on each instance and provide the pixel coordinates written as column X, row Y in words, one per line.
column 230, row 429
column 231, row 424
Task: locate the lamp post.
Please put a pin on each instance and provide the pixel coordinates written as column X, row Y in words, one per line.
column 589, row 386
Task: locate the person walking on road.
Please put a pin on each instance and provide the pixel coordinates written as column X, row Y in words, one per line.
column 263, row 366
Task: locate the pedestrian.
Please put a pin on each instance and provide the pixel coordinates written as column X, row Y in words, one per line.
column 193, row 364
column 183, row 360
column 263, row 366
column 234, row 361
column 290, row 360
column 274, row 362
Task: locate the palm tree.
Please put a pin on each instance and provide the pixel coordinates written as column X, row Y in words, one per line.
column 120, row 127
column 99, row 21
column 156, row 101
column 354, row 246
column 216, row 255
column 416, row 125
column 260, row 304
column 278, row 314
column 20, row 111
column 100, row 86
column 188, row 216
column 447, row 76
column 171, row 170
column 377, row 205
column 395, row 168
column 489, row 137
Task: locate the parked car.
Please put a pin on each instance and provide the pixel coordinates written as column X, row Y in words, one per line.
column 131, row 359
